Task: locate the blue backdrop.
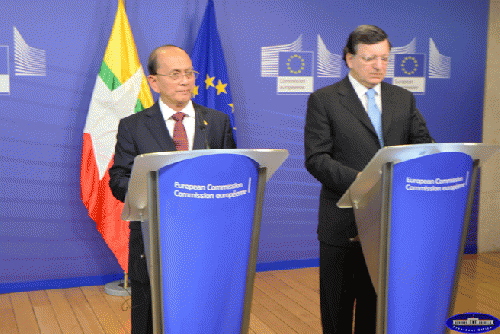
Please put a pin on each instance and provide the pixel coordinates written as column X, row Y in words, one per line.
column 53, row 56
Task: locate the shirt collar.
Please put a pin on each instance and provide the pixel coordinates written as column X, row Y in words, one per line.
column 360, row 89
column 167, row 112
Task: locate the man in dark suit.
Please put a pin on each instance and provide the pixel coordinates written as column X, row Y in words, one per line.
column 340, row 139
column 173, row 123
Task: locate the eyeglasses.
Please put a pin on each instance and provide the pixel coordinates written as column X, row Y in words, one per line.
column 177, row 75
column 372, row 59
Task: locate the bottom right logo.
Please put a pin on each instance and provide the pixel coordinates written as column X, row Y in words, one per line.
column 473, row 323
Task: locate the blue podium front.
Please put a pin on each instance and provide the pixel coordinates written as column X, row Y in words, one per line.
column 412, row 205
column 205, row 223
column 428, row 209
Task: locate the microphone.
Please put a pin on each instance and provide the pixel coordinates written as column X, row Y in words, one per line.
column 203, row 126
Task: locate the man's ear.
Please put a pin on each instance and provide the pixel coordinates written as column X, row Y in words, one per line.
column 348, row 58
column 153, row 82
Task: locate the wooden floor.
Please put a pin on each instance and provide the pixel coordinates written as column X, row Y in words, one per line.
column 284, row 302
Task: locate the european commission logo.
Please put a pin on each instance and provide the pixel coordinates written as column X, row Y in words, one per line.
column 294, row 67
column 409, row 72
column 295, row 73
column 28, row 61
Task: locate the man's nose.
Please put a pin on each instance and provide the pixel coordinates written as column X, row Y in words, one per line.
column 378, row 63
column 184, row 80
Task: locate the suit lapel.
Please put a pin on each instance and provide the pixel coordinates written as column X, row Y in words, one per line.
column 158, row 129
column 350, row 100
column 199, row 136
column 388, row 107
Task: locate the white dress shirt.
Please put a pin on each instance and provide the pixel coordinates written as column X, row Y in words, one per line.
column 361, row 92
column 188, row 120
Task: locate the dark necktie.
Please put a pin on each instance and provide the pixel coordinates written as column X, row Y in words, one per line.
column 180, row 137
column 375, row 115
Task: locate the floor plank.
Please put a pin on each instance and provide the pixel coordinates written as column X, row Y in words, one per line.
column 258, row 326
column 64, row 312
column 268, row 318
column 44, row 312
column 284, row 302
column 23, row 311
column 281, row 312
column 83, row 311
column 302, row 299
column 121, row 308
column 8, row 323
column 105, row 315
column 296, row 285
column 290, row 305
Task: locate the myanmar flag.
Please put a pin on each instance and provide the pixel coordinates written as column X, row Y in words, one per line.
column 120, row 90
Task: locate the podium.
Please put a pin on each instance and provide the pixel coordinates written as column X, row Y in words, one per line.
column 201, row 213
column 412, row 206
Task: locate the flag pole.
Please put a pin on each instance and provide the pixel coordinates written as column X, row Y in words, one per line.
column 119, row 288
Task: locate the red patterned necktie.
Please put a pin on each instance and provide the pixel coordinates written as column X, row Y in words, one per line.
column 180, row 137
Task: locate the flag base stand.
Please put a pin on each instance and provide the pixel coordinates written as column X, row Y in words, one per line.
column 118, row 288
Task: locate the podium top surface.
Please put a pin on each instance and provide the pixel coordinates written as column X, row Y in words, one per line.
column 373, row 171
column 136, row 200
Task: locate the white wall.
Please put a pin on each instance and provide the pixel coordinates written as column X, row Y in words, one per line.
column 489, row 208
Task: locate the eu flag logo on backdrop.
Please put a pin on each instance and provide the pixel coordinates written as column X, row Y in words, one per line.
column 295, row 64
column 212, row 85
column 295, row 74
column 409, row 65
column 409, row 72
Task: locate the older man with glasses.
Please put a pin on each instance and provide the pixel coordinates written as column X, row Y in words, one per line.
column 346, row 124
column 173, row 123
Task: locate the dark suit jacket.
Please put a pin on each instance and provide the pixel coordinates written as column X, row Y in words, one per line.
column 146, row 132
column 340, row 140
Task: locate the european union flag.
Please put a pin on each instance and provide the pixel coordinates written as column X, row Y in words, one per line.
column 212, row 86
column 409, row 65
column 295, row 64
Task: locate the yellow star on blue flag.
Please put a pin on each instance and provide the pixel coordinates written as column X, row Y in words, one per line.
column 208, row 60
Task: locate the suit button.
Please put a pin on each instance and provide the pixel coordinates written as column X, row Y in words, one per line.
column 142, row 256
